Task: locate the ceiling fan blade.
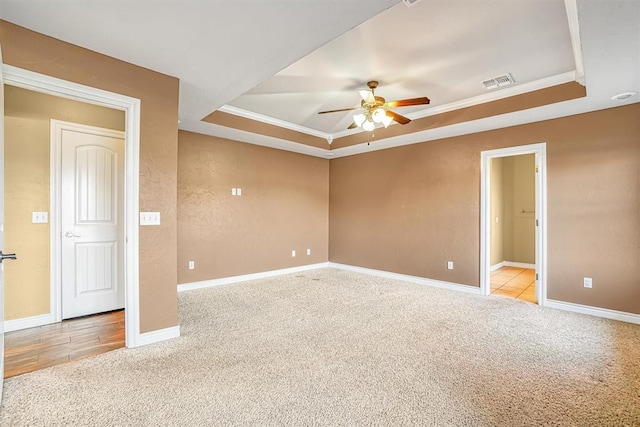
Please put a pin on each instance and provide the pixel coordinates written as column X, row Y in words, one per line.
column 398, row 118
column 367, row 95
column 337, row 111
column 408, row 102
column 352, row 125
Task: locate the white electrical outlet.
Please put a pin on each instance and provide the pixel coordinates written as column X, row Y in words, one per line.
column 192, row 265
column 293, row 253
column 39, row 217
column 233, row 191
column 449, row 265
column 308, row 251
column 239, row 191
column 588, row 282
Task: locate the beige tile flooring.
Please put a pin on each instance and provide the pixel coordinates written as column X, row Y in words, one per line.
column 514, row 282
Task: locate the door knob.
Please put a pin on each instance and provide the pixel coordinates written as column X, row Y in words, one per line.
column 69, row 235
column 7, row 256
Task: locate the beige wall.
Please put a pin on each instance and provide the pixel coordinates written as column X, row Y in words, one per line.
column 411, row 209
column 497, row 211
column 284, row 206
column 519, row 193
column 158, row 150
column 26, row 174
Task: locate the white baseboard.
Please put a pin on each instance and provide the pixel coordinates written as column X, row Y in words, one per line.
column 519, row 264
column 408, row 278
column 29, row 322
column 246, row 277
column 497, row 266
column 594, row 311
column 157, row 336
column 512, row 264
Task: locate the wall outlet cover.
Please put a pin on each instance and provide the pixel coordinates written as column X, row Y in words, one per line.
column 149, row 218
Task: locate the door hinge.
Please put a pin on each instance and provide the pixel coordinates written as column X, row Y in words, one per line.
column 536, row 276
column 537, row 223
column 536, row 169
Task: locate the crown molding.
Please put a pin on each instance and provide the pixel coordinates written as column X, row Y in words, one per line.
column 230, row 109
column 494, row 95
column 574, row 33
column 211, row 129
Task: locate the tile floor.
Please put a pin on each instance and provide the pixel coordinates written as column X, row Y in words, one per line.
column 37, row 348
column 514, row 282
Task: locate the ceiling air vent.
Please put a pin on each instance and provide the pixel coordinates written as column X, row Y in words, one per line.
column 410, row 3
column 499, row 81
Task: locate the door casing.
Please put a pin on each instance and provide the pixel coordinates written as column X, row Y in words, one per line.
column 540, row 152
column 131, row 106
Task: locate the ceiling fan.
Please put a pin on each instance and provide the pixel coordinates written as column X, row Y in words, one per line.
column 375, row 109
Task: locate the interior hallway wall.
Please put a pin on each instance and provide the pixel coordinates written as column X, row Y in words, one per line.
column 519, row 194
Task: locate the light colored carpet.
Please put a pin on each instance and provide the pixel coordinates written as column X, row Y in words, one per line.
column 329, row 347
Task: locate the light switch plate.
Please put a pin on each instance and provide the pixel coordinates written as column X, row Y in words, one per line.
column 39, row 217
column 149, row 218
column 449, row 265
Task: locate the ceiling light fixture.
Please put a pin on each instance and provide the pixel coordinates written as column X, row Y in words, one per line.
column 376, row 110
column 624, row 95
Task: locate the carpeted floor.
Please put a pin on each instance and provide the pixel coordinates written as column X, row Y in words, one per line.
column 329, row 347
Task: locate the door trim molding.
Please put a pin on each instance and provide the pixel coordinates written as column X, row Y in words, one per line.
column 131, row 106
column 55, row 204
column 540, row 152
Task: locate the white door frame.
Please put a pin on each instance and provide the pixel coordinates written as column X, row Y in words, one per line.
column 540, row 152
column 131, row 106
column 55, row 204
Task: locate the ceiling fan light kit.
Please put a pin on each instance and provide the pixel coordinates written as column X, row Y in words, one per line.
column 376, row 110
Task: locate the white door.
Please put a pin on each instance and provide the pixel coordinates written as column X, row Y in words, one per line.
column 91, row 219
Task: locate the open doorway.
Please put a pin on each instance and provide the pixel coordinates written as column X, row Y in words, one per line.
column 513, row 246
column 61, row 174
column 513, row 219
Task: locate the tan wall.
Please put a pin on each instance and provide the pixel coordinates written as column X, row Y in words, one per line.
column 411, row 209
column 497, row 212
column 284, row 206
column 158, row 150
column 519, row 193
column 26, row 174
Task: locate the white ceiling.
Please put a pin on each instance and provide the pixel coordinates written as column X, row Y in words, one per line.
column 436, row 48
column 443, row 49
column 218, row 48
